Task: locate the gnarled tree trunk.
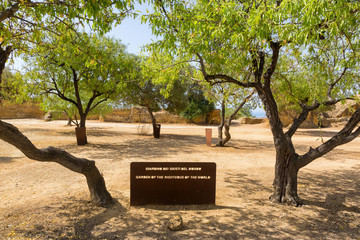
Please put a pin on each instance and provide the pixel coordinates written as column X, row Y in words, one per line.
column 96, row 183
column 286, row 171
column 4, row 56
column 225, row 123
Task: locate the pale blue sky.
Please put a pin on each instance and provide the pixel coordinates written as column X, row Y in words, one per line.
column 132, row 33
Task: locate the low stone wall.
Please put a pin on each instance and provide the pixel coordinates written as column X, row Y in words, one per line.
column 140, row 115
column 248, row 120
column 117, row 115
column 165, row 117
column 20, row 110
column 134, row 115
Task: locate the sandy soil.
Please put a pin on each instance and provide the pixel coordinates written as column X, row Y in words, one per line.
column 46, row 201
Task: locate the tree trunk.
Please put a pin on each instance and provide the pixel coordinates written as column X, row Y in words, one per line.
column 98, row 192
column 285, row 181
column 80, row 131
column 227, row 133
column 4, row 56
column 81, row 138
column 156, row 127
column 226, row 129
column 221, row 126
column 227, row 123
column 69, row 123
column 220, row 135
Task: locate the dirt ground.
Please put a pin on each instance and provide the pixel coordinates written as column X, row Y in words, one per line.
column 47, row 201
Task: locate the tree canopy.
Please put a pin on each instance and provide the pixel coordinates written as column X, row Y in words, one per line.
column 314, row 43
column 85, row 70
column 26, row 22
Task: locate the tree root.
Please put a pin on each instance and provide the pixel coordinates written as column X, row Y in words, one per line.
column 289, row 200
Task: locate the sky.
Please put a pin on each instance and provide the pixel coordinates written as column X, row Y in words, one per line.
column 132, row 33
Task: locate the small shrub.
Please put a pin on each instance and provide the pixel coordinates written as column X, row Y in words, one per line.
column 143, row 129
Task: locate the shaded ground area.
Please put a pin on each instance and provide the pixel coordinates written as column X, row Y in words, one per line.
column 47, row 201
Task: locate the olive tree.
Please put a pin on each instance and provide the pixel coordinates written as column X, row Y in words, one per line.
column 84, row 78
column 251, row 37
column 148, row 89
column 233, row 102
column 26, row 22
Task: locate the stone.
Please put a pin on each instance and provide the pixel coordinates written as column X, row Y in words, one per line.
column 176, row 223
column 341, row 110
column 324, row 122
column 54, row 114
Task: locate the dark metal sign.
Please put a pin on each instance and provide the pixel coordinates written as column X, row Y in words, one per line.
column 172, row 183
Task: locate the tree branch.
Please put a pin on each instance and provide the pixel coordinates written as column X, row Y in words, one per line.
column 232, row 116
column 59, row 93
column 91, row 100
column 98, row 103
column 346, row 135
column 225, row 78
column 332, row 85
column 305, row 112
column 275, row 46
column 98, row 193
column 77, row 93
column 9, row 12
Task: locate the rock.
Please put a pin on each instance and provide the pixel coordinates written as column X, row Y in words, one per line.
column 313, row 120
column 324, row 122
column 54, row 114
column 341, row 110
column 176, row 223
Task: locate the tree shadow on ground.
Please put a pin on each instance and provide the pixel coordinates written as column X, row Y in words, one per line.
column 8, row 159
column 330, row 212
column 245, row 185
column 36, row 130
column 145, row 148
column 70, row 131
column 316, row 133
column 334, row 190
column 250, row 145
column 91, row 132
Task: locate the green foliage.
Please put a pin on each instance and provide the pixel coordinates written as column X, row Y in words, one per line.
column 14, row 87
column 304, row 75
column 148, row 88
column 318, row 38
column 24, row 23
column 231, row 96
column 198, row 104
column 81, row 70
column 243, row 112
